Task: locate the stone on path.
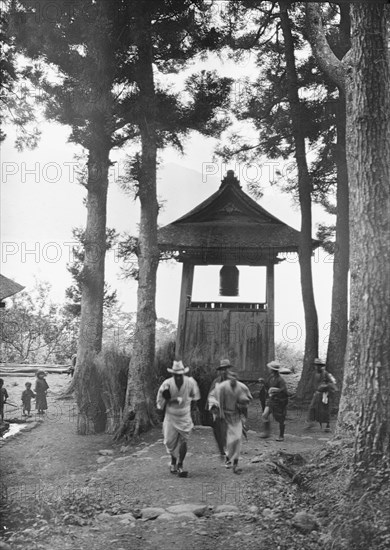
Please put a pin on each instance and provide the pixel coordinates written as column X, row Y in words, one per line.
column 197, row 509
column 166, row 517
column 151, row 513
column 101, row 459
column 256, row 459
column 269, row 514
column 106, row 452
column 225, row 514
column 177, row 517
column 305, row 522
column 226, row 508
column 254, row 509
column 128, row 516
column 103, row 516
column 187, row 515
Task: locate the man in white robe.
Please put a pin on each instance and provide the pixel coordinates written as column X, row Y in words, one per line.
column 175, row 396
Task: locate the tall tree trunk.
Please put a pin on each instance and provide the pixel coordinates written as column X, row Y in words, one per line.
column 339, row 313
column 305, row 389
column 139, row 408
column 86, row 380
column 369, row 169
column 339, row 71
column 92, row 416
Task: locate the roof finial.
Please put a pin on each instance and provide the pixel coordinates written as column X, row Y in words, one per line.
column 230, row 179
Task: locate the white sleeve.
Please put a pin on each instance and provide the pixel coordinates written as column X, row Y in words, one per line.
column 212, row 398
column 160, row 399
column 194, row 390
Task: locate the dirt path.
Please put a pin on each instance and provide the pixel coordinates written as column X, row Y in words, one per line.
column 59, row 493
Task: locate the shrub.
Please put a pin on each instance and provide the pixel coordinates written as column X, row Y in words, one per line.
column 289, row 356
column 113, row 365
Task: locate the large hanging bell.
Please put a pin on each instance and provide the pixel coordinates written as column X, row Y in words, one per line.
column 228, row 280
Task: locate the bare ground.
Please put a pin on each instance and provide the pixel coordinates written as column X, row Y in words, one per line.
column 57, row 496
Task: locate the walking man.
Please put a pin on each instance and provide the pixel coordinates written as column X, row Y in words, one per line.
column 276, row 401
column 174, row 396
column 233, row 397
column 219, row 424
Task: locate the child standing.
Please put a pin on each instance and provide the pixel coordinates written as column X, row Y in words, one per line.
column 41, row 387
column 3, row 398
column 27, row 395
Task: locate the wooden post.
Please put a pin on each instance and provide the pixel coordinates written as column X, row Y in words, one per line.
column 187, row 279
column 270, row 296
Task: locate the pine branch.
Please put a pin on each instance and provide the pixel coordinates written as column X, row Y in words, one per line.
column 323, row 53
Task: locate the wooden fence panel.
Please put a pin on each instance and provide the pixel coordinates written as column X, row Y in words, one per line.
column 240, row 336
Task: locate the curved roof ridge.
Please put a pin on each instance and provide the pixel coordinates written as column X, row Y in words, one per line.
column 230, row 188
column 227, row 223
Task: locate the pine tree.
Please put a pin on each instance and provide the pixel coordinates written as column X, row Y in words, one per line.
column 295, row 111
column 73, row 293
column 105, row 90
column 365, row 73
column 15, row 107
column 87, row 45
column 178, row 32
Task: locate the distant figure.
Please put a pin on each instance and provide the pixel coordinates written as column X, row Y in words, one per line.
column 233, row 397
column 325, row 385
column 276, row 402
column 175, row 396
column 27, row 395
column 72, row 367
column 41, row 387
column 3, row 398
column 219, row 424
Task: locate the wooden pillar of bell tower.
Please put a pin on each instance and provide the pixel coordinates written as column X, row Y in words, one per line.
column 270, row 297
column 187, row 279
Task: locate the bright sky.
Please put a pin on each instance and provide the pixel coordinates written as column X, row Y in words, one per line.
column 41, row 201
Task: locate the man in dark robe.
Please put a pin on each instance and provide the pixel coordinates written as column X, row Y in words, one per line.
column 325, row 385
column 276, row 402
column 219, row 424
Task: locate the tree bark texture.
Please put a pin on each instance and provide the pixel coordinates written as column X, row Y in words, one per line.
column 349, row 399
column 86, row 379
column 369, row 169
column 336, row 69
column 339, row 312
column 98, row 141
column 139, row 408
column 305, row 387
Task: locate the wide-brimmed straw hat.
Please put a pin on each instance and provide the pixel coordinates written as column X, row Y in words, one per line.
column 178, row 368
column 274, row 365
column 318, row 361
column 224, row 364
